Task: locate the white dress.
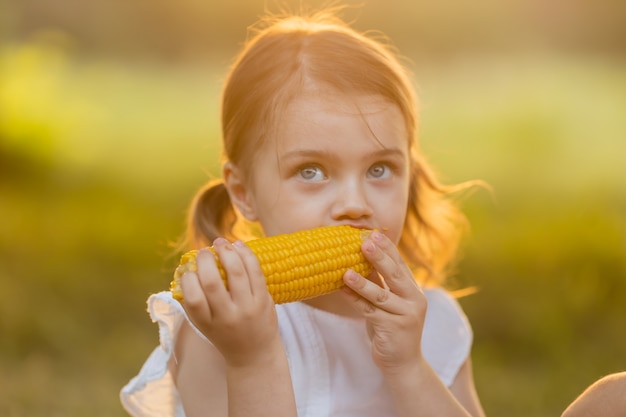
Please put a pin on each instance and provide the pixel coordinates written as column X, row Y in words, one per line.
column 329, row 358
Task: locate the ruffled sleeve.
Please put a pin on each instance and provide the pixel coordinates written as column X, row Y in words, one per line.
column 152, row 392
column 447, row 335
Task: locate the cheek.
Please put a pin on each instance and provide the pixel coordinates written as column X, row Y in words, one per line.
column 282, row 210
column 392, row 209
column 301, row 208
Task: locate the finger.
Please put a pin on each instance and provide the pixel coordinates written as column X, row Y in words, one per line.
column 195, row 303
column 375, row 277
column 386, row 259
column 358, row 303
column 256, row 278
column 213, row 287
column 236, row 275
column 369, row 295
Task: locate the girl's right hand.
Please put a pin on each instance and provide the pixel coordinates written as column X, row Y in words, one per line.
column 241, row 322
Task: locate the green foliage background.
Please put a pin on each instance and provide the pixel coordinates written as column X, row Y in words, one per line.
column 102, row 148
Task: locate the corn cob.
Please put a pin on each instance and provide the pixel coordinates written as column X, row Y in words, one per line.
column 298, row 265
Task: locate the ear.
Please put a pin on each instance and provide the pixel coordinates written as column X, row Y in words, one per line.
column 238, row 190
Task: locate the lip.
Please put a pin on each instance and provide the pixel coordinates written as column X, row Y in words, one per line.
column 357, row 225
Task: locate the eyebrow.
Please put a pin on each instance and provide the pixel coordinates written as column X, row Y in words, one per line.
column 299, row 153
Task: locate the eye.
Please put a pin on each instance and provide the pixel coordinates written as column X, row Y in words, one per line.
column 379, row 171
column 312, row 173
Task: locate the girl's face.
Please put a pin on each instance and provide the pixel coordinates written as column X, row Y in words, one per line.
column 332, row 163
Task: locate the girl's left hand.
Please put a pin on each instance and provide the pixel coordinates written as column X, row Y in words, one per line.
column 395, row 314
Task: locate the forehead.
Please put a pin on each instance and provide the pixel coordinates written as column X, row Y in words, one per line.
column 318, row 118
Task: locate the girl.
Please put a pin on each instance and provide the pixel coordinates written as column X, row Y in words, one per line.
column 319, row 128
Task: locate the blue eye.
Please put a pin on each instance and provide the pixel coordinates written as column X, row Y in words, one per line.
column 379, row 171
column 312, row 173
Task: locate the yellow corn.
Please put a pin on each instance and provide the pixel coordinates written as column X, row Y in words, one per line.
column 297, row 265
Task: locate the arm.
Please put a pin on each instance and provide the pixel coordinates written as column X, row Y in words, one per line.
column 436, row 399
column 199, row 373
column 417, row 387
column 464, row 390
column 604, row 398
column 395, row 318
column 244, row 372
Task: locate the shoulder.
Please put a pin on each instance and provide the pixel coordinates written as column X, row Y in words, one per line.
column 447, row 335
column 603, row 397
column 183, row 361
column 152, row 390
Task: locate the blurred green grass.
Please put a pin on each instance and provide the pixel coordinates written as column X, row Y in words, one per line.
column 98, row 161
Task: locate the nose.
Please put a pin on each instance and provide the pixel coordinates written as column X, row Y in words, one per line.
column 351, row 202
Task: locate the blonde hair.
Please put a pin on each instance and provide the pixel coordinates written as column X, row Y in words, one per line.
column 284, row 53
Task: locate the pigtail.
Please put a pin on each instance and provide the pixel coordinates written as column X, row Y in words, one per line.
column 211, row 215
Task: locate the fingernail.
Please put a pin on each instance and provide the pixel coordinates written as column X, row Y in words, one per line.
column 187, row 276
column 376, row 236
column 239, row 244
column 369, row 247
column 219, row 241
column 352, row 277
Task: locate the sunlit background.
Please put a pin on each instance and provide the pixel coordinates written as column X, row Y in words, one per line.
column 109, row 123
